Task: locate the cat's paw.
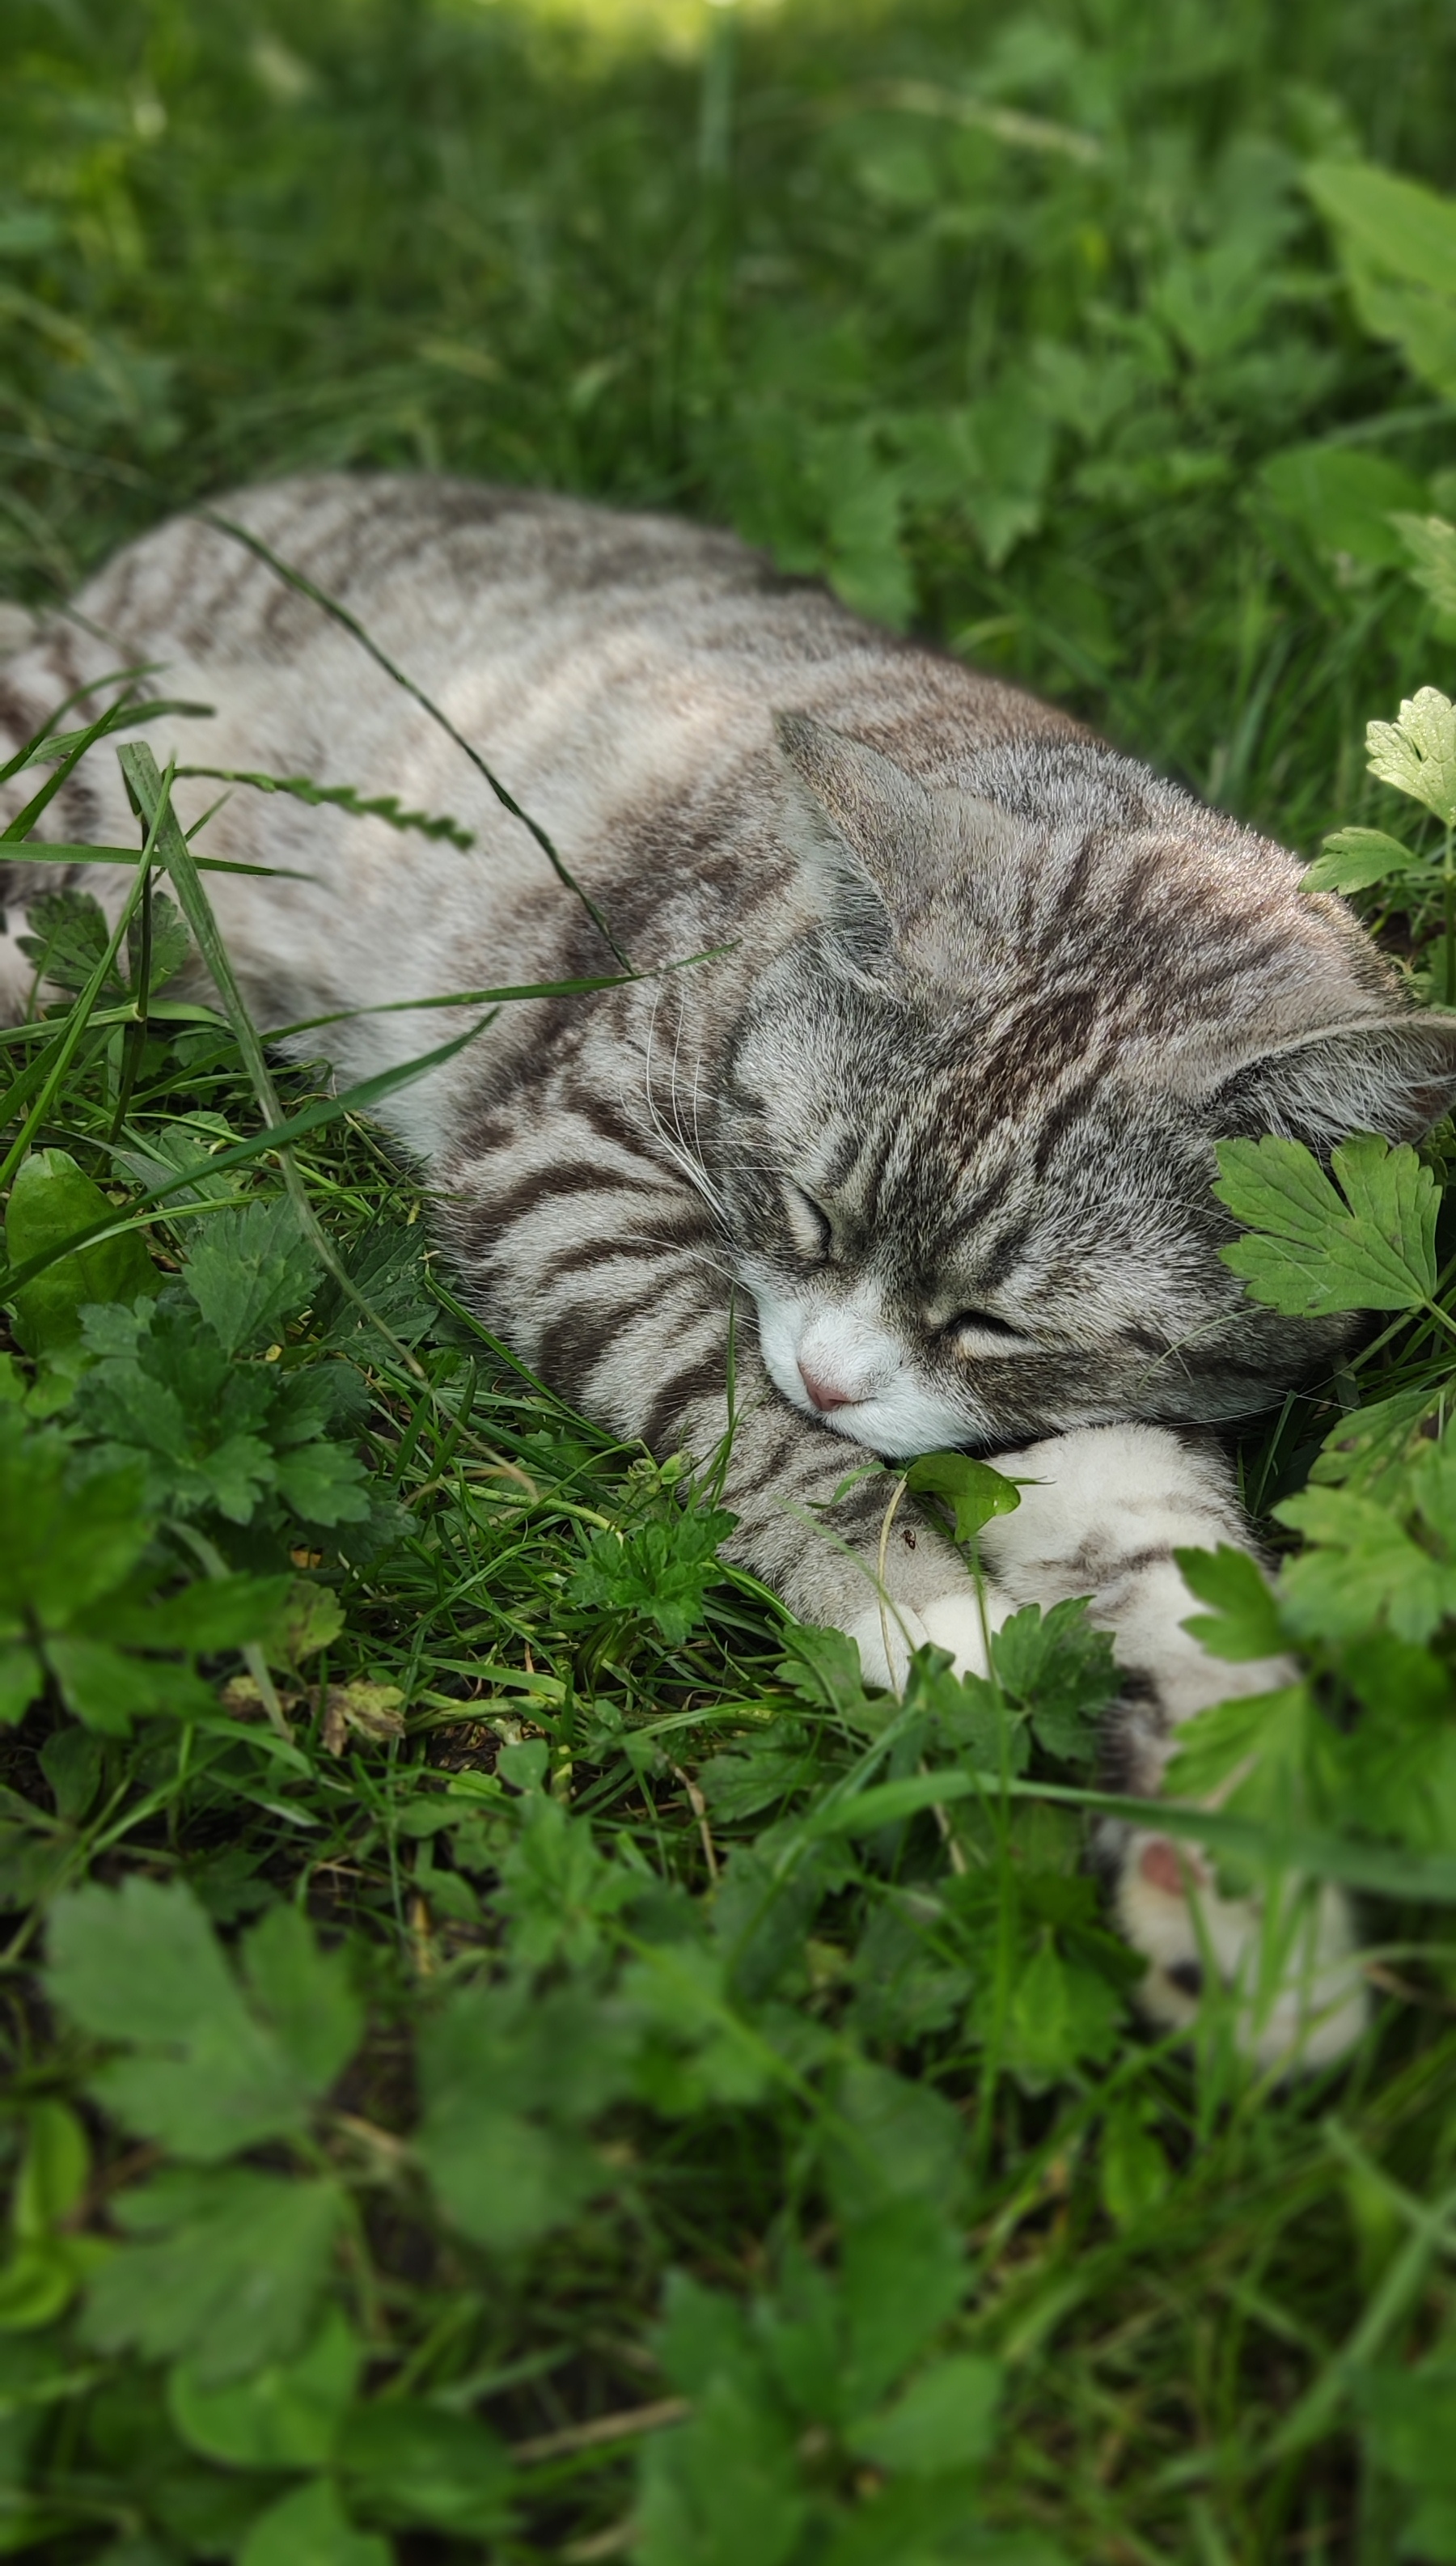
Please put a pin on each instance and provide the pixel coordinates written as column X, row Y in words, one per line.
column 1297, row 1990
column 885, row 1638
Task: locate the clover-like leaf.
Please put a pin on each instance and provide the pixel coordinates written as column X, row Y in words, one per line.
column 1307, row 1252
column 1417, row 751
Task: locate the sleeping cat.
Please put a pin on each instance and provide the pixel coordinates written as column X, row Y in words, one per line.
column 920, row 1156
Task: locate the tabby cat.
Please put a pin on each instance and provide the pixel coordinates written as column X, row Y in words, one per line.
column 919, row 1158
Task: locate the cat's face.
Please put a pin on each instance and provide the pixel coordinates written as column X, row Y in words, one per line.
column 966, row 1135
column 933, row 1265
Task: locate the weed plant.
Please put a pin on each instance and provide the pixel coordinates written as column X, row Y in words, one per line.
column 511, row 2053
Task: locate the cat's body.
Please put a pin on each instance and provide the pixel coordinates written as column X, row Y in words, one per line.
column 921, row 1153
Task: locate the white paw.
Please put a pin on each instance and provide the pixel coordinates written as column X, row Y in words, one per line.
column 1293, row 1972
column 886, row 1638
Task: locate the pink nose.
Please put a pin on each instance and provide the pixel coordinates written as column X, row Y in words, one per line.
column 822, row 1392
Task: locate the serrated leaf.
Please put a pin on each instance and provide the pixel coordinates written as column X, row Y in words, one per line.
column 1342, row 500
column 1417, row 753
column 1430, row 546
column 69, row 936
column 228, row 2270
column 973, row 1491
column 1245, row 1621
column 1061, row 2014
column 108, row 1689
column 661, row 1570
column 902, row 2273
column 944, row 2421
column 1361, row 1570
column 52, row 1199
column 248, row 1268
column 60, row 1547
column 1307, row 1252
column 324, row 1483
column 305, row 1995
column 1353, row 859
column 143, row 1966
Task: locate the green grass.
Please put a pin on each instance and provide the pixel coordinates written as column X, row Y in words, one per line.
column 473, row 2087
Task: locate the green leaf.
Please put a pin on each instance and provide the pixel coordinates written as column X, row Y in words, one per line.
column 52, row 1200
column 311, row 2528
column 1245, row 1621
column 143, row 1966
column 1430, row 548
column 974, row 1491
column 54, row 2169
column 22, row 1679
column 305, row 1995
column 1363, row 1570
column 228, row 2271
column 1399, row 244
column 891, row 2140
column 506, row 2080
column 69, row 936
column 662, row 1570
column 944, row 2421
column 1135, row 2174
column 285, row 2415
column 1060, row 2013
column 1310, row 1253
column 1353, row 859
column 1417, row 751
column 60, row 1547
column 414, row 2466
column 902, row 2273
column 1342, row 500
column 247, row 1268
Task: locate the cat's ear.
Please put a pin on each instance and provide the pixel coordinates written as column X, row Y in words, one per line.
column 888, row 851
column 1396, row 1078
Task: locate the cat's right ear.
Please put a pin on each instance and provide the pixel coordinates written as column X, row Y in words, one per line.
column 1396, row 1077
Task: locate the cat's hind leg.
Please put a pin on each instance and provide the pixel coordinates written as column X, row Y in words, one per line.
column 1101, row 1514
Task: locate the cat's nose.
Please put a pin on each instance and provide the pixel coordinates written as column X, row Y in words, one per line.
column 824, row 1393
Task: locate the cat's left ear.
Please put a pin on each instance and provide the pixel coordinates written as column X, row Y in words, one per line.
column 886, row 847
column 1396, row 1077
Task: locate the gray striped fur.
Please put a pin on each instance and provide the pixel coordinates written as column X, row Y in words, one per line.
column 932, row 1131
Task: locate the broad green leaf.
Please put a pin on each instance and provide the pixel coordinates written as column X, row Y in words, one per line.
column 226, row 2269
column 414, row 2466
column 973, row 1491
column 902, row 2274
column 108, row 1689
column 1060, row 2013
column 1430, row 547
column 22, row 1680
column 891, row 2140
column 1404, row 226
column 60, row 1547
column 1417, row 751
column 37, row 2284
column 1244, row 1620
column 1342, row 500
column 52, row 1200
column 285, row 2415
column 944, row 2421
column 1135, row 2174
column 54, row 2171
column 1371, row 1446
column 724, row 2486
column 311, row 2528
column 143, row 1966
column 305, row 1995
column 1353, row 859
column 1396, row 237
column 1309, row 1253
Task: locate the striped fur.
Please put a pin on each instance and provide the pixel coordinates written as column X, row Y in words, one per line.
column 919, row 1154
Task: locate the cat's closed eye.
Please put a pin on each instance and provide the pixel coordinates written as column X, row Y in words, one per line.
column 982, row 1323
column 809, row 1225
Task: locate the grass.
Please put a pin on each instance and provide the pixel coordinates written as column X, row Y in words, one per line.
column 476, row 2086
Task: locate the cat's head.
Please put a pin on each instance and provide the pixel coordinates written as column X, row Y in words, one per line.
column 967, row 1127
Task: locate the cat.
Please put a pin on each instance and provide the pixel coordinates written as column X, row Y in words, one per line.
column 919, row 1156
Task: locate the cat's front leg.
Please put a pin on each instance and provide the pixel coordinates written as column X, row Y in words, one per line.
column 1101, row 1514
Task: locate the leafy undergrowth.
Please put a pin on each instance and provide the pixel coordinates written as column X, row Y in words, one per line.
column 511, row 2052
